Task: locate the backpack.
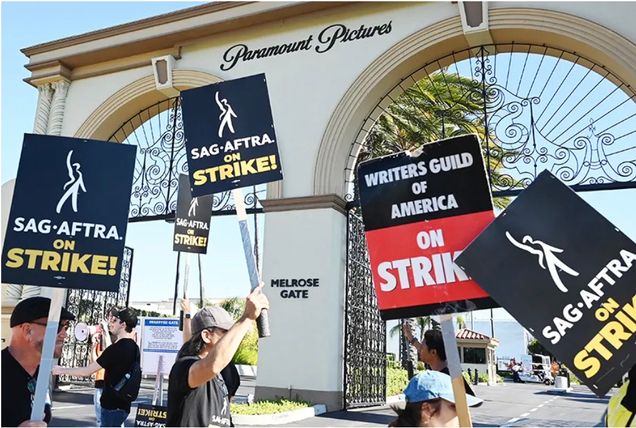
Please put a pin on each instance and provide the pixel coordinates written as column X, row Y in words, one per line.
column 128, row 386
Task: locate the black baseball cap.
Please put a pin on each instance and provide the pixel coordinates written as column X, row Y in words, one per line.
column 33, row 308
column 213, row 316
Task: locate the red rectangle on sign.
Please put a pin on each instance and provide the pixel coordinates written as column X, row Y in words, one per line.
column 413, row 264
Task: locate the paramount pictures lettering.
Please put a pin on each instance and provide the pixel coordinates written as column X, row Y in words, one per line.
column 326, row 40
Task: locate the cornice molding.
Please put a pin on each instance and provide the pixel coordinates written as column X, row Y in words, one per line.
column 168, row 31
column 334, row 202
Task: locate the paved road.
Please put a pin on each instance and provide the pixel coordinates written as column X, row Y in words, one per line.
column 510, row 404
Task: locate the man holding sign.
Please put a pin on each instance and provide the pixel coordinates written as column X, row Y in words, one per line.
column 21, row 359
column 197, row 394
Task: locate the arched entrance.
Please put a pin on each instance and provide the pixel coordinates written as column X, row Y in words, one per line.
column 533, row 107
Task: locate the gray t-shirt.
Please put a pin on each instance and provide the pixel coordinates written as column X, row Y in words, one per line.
column 196, row 407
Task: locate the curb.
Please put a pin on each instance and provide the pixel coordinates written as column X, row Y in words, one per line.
column 245, row 370
column 280, row 418
column 393, row 399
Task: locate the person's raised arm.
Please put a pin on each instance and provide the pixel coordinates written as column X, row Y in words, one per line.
column 406, row 328
column 221, row 355
column 186, row 308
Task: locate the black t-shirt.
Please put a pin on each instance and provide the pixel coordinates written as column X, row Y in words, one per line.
column 469, row 390
column 17, row 400
column 231, row 378
column 199, row 407
column 117, row 359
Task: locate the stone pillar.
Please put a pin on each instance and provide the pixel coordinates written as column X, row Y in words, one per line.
column 56, row 117
column 52, row 103
column 45, row 97
column 303, row 359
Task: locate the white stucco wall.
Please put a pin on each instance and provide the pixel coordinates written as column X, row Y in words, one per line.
column 305, row 349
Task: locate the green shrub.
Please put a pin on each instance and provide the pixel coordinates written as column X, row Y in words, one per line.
column 247, row 352
column 396, row 380
column 267, row 407
column 483, row 377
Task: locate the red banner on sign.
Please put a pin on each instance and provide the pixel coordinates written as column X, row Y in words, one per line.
column 413, row 264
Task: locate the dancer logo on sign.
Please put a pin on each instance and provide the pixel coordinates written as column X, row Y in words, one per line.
column 76, row 183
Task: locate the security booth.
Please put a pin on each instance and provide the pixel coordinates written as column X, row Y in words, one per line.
column 477, row 352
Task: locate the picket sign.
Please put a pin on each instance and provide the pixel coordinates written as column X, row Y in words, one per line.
column 455, row 370
column 46, row 362
column 158, row 393
column 263, row 321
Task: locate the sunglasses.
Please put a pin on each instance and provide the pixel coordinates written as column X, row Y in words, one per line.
column 61, row 326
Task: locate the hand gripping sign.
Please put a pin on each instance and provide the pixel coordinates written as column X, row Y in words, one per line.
column 567, row 275
column 230, row 137
column 69, row 213
column 419, row 213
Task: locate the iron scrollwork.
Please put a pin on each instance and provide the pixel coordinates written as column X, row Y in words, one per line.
column 365, row 332
column 89, row 307
column 535, row 108
column 161, row 158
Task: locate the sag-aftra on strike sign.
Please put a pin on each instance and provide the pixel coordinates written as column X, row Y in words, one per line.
column 567, row 275
column 69, row 213
column 230, row 136
column 419, row 213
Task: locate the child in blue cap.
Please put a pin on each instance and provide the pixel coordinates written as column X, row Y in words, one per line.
column 430, row 402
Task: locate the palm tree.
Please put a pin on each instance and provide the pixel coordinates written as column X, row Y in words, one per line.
column 437, row 106
column 461, row 322
column 422, row 324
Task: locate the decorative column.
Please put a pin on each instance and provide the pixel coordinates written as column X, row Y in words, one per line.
column 48, row 120
column 44, row 107
column 56, row 116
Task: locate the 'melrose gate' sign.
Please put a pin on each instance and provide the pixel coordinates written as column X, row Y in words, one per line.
column 419, row 213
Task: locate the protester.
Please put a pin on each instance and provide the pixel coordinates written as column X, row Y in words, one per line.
column 430, row 402
column 116, row 360
column 230, row 373
column 621, row 408
column 21, row 359
column 431, row 351
column 197, row 394
column 100, row 341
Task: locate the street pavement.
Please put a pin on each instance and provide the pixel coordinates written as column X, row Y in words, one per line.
column 508, row 404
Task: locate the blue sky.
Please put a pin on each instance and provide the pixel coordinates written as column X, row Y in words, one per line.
column 26, row 24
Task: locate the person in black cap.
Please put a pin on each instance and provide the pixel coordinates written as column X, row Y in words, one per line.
column 229, row 374
column 116, row 360
column 21, row 359
column 197, row 394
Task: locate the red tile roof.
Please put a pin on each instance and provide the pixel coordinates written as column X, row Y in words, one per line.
column 464, row 333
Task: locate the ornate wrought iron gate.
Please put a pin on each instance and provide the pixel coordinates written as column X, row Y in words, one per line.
column 534, row 107
column 90, row 307
column 365, row 332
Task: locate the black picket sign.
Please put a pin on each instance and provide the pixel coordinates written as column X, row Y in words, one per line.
column 192, row 220
column 567, row 275
column 68, row 219
column 230, row 137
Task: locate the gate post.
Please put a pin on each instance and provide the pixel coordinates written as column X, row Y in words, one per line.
column 304, row 273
